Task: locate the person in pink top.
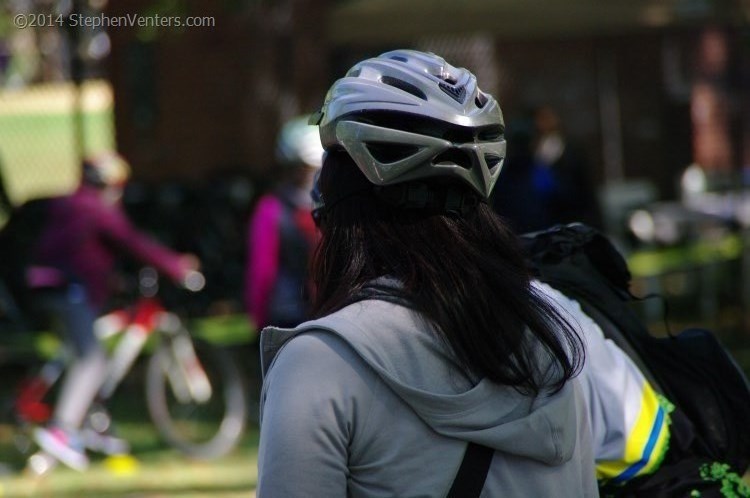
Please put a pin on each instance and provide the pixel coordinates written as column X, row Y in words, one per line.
column 71, row 273
column 281, row 233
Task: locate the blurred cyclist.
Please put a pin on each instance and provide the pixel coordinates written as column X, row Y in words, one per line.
column 71, row 273
column 282, row 234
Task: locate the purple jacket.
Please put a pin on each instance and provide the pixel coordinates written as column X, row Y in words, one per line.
column 84, row 237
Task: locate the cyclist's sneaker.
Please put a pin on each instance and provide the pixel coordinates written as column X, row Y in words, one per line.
column 63, row 445
column 104, row 443
column 98, row 432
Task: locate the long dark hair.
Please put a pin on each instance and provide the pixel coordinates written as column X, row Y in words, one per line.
column 464, row 274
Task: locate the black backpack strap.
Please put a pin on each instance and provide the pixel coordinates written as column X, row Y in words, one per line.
column 472, row 473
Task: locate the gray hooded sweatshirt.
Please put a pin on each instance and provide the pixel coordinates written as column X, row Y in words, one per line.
column 368, row 402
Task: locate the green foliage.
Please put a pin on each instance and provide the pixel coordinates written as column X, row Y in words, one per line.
column 38, row 150
column 732, row 485
column 162, row 8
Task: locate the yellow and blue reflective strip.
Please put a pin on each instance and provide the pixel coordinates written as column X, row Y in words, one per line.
column 646, row 443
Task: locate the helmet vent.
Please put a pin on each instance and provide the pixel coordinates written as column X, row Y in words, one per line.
column 399, row 58
column 354, row 73
column 454, row 156
column 492, row 160
column 490, row 133
column 457, row 93
column 404, row 86
column 449, row 79
column 481, row 100
column 390, row 153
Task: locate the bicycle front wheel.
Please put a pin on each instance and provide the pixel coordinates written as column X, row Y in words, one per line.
column 203, row 420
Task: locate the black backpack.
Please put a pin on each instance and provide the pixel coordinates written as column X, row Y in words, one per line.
column 710, row 425
column 17, row 239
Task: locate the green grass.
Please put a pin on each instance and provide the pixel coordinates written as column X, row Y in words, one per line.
column 38, row 150
column 652, row 262
column 224, row 330
column 159, row 470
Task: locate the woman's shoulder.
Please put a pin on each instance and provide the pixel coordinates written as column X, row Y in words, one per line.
column 320, row 369
column 350, row 326
column 316, row 347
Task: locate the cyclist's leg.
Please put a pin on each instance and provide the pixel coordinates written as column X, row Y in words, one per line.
column 82, row 379
column 89, row 362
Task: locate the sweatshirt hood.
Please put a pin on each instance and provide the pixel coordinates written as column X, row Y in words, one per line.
column 418, row 366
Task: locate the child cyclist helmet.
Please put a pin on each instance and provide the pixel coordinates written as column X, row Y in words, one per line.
column 105, row 169
column 407, row 115
column 298, row 144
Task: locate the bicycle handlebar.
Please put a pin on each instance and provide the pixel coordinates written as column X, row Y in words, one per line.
column 194, row 281
column 148, row 281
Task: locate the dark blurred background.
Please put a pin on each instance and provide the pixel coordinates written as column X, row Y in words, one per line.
column 655, row 95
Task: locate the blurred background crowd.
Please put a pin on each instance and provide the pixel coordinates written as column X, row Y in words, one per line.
column 631, row 116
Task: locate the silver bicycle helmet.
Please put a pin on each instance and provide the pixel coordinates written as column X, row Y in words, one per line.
column 298, row 144
column 407, row 115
